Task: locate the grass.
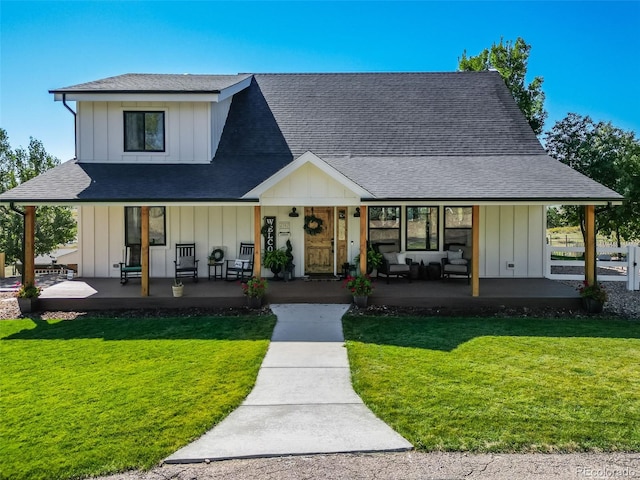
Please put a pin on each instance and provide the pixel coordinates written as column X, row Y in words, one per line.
column 92, row 396
column 501, row 385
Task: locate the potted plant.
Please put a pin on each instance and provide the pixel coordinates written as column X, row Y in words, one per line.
column 593, row 296
column 289, row 267
column 177, row 287
column 374, row 259
column 27, row 296
column 254, row 289
column 360, row 287
column 276, row 261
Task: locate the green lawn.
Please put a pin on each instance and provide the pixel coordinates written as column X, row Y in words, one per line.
column 91, row 396
column 501, row 385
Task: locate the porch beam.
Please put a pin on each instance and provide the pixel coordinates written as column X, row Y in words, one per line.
column 144, row 251
column 257, row 261
column 590, row 246
column 28, row 272
column 363, row 239
column 475, row 248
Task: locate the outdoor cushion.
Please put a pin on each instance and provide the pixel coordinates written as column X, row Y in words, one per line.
column 456, row 269
column 402, row 257
column 458, row 261
column 454, row 255
column 396, row 268
column 186, row 262
column 391, row 257
column 241, row 263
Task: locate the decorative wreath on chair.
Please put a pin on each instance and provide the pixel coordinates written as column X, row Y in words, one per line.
column 312, row 224
column 217, row 255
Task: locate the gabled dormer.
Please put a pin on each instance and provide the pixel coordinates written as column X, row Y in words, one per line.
column 151, row 118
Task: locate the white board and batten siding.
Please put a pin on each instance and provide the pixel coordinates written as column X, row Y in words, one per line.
column 192, row 131
column 101, row 237
column 308, row 185
column 512, row 241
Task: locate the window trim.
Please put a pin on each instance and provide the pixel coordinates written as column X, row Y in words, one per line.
column 164, row 226
column 144, row 111
column 437, row 229
column 445, row 228
column 398, row 228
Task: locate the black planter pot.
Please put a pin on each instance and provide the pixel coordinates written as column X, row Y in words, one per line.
column 276, row 273
column 592, row 305
column 28, row 305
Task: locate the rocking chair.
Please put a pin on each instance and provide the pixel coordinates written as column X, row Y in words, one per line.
column 185, row 262
column 241, row 268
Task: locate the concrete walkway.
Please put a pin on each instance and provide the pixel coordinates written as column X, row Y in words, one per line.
column 303, row 402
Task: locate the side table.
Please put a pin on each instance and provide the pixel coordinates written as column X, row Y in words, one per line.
column 217, row 270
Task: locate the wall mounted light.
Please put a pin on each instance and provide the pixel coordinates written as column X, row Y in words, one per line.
column 293, row 212
column 357, row 214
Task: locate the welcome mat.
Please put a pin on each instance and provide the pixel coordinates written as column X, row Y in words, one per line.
column 321, row 277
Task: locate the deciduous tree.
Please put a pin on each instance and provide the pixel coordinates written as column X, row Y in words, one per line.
column 511, row 61
column 54, row 225
column 608, row 155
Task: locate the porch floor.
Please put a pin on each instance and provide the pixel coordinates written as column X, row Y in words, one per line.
column 452, row 294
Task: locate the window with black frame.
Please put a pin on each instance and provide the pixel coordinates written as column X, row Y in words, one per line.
column 144, row 132
column 384, row 224
column 133, row 226
column 422, row 228
column 458, row 225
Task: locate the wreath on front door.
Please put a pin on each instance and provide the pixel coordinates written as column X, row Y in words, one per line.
column 312, row 224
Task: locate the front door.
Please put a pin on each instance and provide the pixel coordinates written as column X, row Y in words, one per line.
column 318, row 247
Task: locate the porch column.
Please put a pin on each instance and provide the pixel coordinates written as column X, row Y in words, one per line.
column 144, row 251
column 28, row 269
column 257, row 237
column 475, row 246
column 363, row 239
column 590, row 246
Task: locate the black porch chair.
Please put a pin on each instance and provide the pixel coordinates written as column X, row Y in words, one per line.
column 131, row 267
column 186, row 263
column 241, row 268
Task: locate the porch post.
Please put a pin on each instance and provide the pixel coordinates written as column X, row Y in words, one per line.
column 590, row 246
column 257, row 216
column 363, row 239
column 475, row 246
column 28, row 269
column 144, row 251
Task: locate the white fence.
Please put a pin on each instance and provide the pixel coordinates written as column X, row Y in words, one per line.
column 622, row 263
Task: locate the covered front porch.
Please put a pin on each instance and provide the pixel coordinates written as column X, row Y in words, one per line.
column 451, row 295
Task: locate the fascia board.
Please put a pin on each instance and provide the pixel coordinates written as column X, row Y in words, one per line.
column 233, row 89
column 133, row 203
column 307, row 157
column 466, row 202
column 137, row 97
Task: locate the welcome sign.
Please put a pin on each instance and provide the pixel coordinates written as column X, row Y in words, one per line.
column 269, row 230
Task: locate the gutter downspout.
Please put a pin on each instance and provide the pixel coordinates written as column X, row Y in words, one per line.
column 75, row 126
column 24, row 226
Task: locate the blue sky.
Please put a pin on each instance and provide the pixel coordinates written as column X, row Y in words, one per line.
column 587, row 52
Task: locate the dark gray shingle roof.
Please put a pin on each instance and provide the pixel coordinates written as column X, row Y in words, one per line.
column 156, row 83
column 434, row 136
column 458, row 113
column 96, row 182
column 495, row 177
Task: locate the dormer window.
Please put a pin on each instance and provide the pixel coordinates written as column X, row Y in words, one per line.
column 144, row 131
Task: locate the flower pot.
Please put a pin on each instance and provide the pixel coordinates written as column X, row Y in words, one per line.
column 592, row 305
column 360, row 300
column 254, row 302
column 177, row 290
column 28, row 305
